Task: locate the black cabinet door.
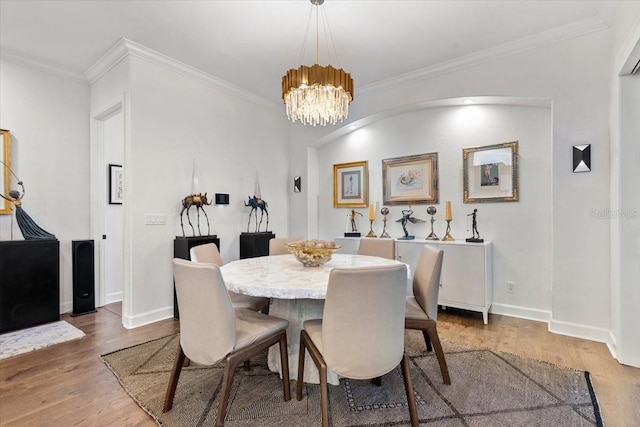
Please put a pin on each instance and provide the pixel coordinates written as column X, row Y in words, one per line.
column 29, row 283
column 255, row 244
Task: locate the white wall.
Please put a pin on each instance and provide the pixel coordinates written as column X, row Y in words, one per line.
column 627, row 217
column 47, row 117
column 573, row 75
column 113, row 143
column 520, row 231
column 624, row 340
column 109, row 96
column 174, row 119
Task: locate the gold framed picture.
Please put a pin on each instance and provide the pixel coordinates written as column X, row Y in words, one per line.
column 410, row 180
column 491, row 173
column 5, row 172
column 351, row 185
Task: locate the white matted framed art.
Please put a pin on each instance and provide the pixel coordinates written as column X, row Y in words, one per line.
column 410, row 180
column 491, row 173
column 116, row 185
column 351, row 185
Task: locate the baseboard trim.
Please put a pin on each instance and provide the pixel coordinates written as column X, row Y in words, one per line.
column 612, row 345
column 131, row 322
column 521, row 312
column 579, row 331
column 114, row 297
column 66, row 307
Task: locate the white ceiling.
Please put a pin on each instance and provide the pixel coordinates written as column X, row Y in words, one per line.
column 251, row 44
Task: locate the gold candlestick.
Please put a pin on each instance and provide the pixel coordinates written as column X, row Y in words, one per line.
column 448, row 237
column 371, row 233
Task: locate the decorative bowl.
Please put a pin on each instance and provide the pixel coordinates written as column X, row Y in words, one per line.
column 312, row 253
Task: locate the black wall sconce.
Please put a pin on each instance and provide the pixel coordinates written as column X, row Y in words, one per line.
column 222, row 199
column 582, row 158
column 297, row 184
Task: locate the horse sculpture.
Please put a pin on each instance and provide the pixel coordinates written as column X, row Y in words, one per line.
column 256, row 203
column 198, row 200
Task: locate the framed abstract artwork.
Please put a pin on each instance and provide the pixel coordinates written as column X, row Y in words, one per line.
column 410, row 180
column 351, row 185
column 490, row 173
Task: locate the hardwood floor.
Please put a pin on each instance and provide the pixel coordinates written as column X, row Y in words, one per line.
column 68, row 385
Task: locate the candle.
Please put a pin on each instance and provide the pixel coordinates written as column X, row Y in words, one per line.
column 372, row 214
column 447, row 215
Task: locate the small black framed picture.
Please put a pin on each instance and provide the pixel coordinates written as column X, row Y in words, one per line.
column 116, row 185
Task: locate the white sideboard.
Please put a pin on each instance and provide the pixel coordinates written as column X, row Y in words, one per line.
column 466, row 280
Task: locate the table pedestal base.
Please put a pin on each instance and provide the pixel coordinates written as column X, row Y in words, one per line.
column 297, row 311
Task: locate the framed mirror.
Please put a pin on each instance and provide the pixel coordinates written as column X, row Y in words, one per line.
column 491, row 173
column 5, row 172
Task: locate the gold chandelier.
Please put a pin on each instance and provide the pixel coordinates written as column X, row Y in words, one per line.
column 317, row 95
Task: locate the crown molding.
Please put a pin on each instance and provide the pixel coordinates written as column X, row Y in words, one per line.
column 30, row 62
column 125, row 47
column 555, row 35
column 110, row 59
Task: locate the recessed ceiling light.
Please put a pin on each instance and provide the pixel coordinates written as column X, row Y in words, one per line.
column 468, row 101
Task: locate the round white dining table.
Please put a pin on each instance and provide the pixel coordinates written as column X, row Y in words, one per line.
column 297, row 294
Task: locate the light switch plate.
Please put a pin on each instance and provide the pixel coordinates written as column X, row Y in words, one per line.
column 155, row 219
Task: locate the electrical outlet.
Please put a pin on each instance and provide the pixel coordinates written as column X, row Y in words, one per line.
column 155, row 219
column 511, row 288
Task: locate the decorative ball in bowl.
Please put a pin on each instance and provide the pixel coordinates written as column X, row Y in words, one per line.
column 313, row 253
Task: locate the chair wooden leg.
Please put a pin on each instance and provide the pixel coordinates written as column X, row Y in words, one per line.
column 318, row 360
column 324, row 394
column 227, row 381
column 301, row 355
column 408, row 386
column 432, row 331
column 173, row 380
column 427, row 341
column 284, row 364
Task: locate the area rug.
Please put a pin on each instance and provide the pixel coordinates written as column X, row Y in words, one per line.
column 489, row 388
column 30, row 339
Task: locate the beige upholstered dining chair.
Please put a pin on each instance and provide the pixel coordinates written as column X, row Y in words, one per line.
column 361, row 333
column 384, row 248
column 278, row 245
column 208, row 253
column 422, row 307
column 212, row 330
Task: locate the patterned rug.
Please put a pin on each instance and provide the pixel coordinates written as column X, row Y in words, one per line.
column 489, row 388
column 30, row 339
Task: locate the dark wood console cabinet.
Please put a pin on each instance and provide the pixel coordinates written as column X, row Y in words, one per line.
column 255, row 244
column 29, row 283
